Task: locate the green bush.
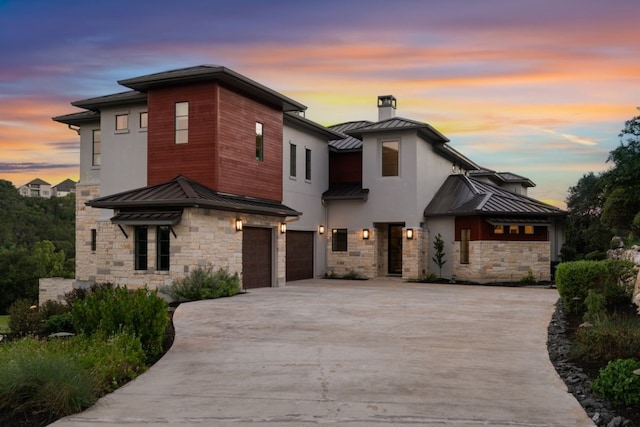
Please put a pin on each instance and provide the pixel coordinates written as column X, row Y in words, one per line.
column 611, row 278
column 23, row 319
column 596, row 306
column 41, row 383
column 202, row 283
column 596, row 256
column 610, row 338
column 108, row 310
column 529, row 279
column 59, row 323
column 618, row 384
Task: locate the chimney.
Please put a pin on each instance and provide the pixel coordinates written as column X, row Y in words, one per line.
column 386, row 107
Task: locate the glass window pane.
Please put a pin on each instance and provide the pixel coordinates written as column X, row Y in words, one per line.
column 182, row 123
column 182, row 109
column 307, row 164
column 390, row 158
column 122, row 122
column 292, row 160
column 182, row 136
column 144, row 120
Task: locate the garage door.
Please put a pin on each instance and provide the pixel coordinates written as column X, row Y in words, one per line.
column 299, row 255
column 256, row 257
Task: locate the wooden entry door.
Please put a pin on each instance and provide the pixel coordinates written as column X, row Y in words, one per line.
column 299, row 255
column 395, row 249
column 256, row 257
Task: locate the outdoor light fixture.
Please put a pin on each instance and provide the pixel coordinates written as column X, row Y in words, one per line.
column 321, row 229
column 283, row 227
column 238, row 224
column 409, row 233
column 365, row 233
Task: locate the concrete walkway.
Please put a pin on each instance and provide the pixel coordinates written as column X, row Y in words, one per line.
column 371, row 353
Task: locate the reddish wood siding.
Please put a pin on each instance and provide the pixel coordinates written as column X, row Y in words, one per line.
column 482, row 230
column 345, row 167
column 239, row 171
column 196, row 159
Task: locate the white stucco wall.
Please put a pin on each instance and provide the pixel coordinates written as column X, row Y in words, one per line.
column 446, row 227
column 89, row 174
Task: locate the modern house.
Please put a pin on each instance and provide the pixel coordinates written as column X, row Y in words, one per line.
column 36, row 188
column 203, row 166
column 64, row 188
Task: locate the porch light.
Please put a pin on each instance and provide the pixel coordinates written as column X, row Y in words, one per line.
column 321, row 229
column 409, row 233
column 365, row 233
column 238, row 224
column 283, row 227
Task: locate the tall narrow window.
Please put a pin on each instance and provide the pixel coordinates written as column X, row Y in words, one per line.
column 259, row 142
column 162, row 248
column 144, row 120
column 307, row 164
column 141, row 247
column 122, row 121
column 292, row 159
column 94, row 239
column 465, row 236
column 182, row 122
column 339, row 240
column 96, row 148
column 390, row 158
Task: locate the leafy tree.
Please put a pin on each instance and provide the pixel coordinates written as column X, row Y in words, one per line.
column 438, row 258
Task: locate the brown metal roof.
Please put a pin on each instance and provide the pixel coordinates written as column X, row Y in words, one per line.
column 132, row 96
column 78, row 119
column 462, row 195
column 346, row 191
column 183, row 192
column 147, row 218
column 398, row 123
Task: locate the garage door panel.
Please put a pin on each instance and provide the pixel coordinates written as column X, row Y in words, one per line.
column 299, row 255
column 256, row 257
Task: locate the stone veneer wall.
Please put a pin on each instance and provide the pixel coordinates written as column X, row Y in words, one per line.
column 86, row 219
column 415, row 254
column 501, row 261
column 360, row 256
column 204, row 237
column 54, row 289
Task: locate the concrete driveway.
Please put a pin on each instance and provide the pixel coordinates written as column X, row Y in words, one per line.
column 372, row 353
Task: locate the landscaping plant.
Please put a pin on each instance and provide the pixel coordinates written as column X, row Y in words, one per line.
column 202, row 283
column 438, row 258
column 618, row 384
column 612, row 337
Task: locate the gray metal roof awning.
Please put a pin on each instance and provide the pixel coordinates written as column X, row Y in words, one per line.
column 147, row 218
column 518, row 221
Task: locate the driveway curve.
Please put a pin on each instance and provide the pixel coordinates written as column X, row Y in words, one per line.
column 370, row 353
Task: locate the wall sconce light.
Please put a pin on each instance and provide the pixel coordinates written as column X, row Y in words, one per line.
column 409, row 233
column 238, row 224
column 321, row 229
column 283, row 227
column 365, row 233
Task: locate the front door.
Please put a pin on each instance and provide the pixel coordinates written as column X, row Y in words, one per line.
column 395, row 249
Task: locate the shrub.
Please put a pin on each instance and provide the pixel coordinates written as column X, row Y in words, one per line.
column 615, row 337
column 596, row 306
column 23, row 319
column 109, row 310
column 202, row 283
column 59, row 323
column 618, row 384
column 529, row 279
column 609, row 277
column 596, row 256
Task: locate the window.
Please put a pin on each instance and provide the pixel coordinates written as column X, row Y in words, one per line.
column 498, row 229
column 292, row 160
column 141, row 247
column 96, row 148
column 122, row 121
column 528, row 229
column 162, row 248
column 339, row 240
column 307, row 164
column 182, row 122
column 514, row 229
column 144, row 120
column 390, row 158
column 259, row 142
column 465, row 236
column 94, row 239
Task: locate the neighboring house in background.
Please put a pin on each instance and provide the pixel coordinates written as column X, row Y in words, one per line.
column 36, row 188
column 203, row 166
column 64, row 188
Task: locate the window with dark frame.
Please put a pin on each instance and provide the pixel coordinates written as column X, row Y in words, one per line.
column 141, row 247
column 307, row 164
column 163, row 238
column 465, row 237
column 339, row 240
column 94, row 239
column 182, row 122
column 529, row 229
column 122, row 121
column 95, row 161
column 292, row 159
column 390, row 159
column 144, row 120
column 259, row 142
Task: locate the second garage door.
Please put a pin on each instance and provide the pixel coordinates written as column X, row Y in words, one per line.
column 256, row 257
column 299, row 255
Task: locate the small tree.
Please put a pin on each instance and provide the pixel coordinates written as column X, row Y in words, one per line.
column 438, row 258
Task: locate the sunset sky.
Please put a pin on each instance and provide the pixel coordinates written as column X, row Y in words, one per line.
column 536, row 87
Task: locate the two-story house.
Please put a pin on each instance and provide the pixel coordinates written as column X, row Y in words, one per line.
column 203, row 166
column 36, row 188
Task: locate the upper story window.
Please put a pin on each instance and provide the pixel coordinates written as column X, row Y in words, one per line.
column 259, row 142
column 307, row 164
column 144, row 120
column 292, row 160
column 182, row 122
column 390, row 158
column 95, row 161
column 122, row 121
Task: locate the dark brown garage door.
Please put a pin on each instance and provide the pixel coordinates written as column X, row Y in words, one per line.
column 299, row 255
column 256, row 257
